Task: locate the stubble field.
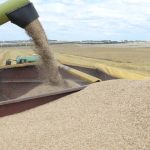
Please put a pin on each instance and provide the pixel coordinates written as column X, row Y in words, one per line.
column 131, row 58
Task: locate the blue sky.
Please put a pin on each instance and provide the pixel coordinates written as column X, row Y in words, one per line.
column 88, row 20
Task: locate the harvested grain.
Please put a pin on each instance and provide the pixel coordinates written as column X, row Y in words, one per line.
column 49, row 88
column 107, row 115
column 36, row 32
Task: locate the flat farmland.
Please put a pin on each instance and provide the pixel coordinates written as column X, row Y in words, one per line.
column 132, row 58
column 127, row 55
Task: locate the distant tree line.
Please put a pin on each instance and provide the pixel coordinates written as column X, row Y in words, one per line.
column 30, row 43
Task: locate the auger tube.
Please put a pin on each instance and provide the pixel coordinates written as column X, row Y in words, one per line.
column 19, row 12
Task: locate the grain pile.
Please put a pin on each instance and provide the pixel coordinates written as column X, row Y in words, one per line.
column 48, row 89
column 111, row 115
column 36, row 32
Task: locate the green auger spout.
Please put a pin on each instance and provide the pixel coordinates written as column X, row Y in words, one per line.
column 19, row 12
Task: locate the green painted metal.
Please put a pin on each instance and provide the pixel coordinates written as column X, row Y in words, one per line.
column 27, row 59
column 9, row 6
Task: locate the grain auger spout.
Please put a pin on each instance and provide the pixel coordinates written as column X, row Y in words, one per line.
column 25, row 84
column 23, row 14
column 19, row 12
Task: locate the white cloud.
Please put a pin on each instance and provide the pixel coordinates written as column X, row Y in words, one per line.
column 108, row 9
column 107, row 17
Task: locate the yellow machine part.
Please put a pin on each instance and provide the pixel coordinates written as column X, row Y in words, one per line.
column 82, row 75
column 116, row 72
column 120, row 73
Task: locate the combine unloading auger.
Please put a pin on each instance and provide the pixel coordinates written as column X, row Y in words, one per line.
column 19, row 12
column 17, row 80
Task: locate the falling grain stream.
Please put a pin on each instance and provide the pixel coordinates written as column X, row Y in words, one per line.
column 36, row 32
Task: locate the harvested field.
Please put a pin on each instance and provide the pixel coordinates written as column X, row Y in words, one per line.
column 127, row 57
column 132, row 58
column 120, row 55
column 108, row 115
